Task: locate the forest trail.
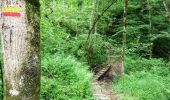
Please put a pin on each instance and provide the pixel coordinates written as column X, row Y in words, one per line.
column 102, row 84
column 102, row 79
column 102, row 90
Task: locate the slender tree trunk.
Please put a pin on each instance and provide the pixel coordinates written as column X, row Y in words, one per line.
column 150, row 21
column 97, row 19
column 21, row 49
column 165, row 5
column 95, row 14
column 166, row 8
column 124, row 30
column 92, row 16
column 150, row 25
column 64, row 7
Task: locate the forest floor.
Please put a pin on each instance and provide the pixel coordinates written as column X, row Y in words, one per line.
column 102, row 90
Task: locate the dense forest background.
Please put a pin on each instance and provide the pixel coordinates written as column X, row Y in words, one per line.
column 69, row 51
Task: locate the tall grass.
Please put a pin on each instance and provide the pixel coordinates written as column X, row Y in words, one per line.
column 144, row 80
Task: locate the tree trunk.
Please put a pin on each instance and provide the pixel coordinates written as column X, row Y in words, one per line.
column 124, row 30
column 21, row 49
column 166, row 8
column 95, row 14
column 150, row 26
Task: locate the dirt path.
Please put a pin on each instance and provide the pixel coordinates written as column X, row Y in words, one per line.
column 102, row 83
column 102, row 90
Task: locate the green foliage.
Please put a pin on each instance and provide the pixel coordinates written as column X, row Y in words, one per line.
column 78, row 46
column 145, row 80
column 67, row 15
column 64, row 78
column 135, row 64
column 52, row 38
column 139, row 31
column 144, row 86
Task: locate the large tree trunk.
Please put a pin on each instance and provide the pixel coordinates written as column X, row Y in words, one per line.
column 21, row 49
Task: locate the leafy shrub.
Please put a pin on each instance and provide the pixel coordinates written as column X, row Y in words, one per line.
column 145, row 79
column 64, row 78
column 79, row 48
column 144, row 86
column 52, row 38
column 134, row 64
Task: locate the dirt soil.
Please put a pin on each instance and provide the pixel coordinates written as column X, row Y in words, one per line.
column 102, row 90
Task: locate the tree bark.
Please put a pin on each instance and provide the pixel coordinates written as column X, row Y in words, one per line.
column 150, row 26
column 21, row 50
column 165, row 5
column 124, row 30
column 166, row 8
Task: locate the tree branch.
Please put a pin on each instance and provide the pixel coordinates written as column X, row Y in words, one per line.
column 98, row 18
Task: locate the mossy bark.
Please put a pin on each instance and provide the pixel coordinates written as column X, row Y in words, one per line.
column 21, row 52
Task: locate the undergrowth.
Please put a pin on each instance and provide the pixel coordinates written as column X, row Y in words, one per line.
column 64, row 78
column 144, row 80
